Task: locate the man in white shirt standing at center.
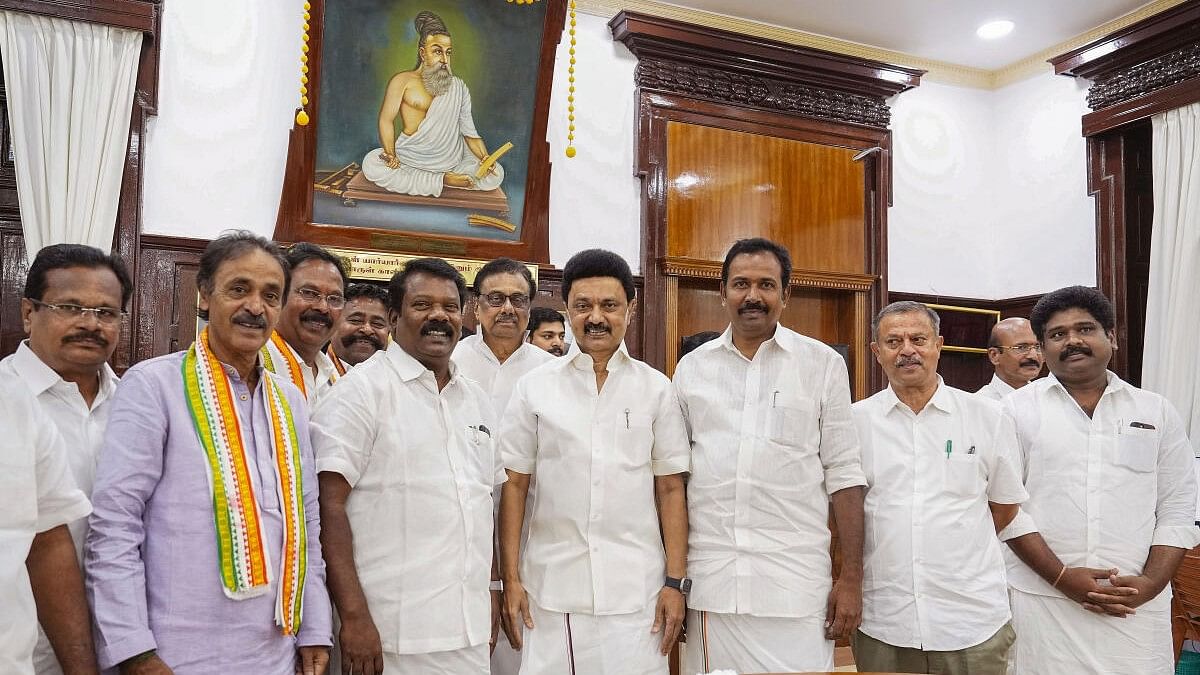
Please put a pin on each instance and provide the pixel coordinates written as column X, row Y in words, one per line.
column 772, row 443
column 941, row 464
column 598, row 588
column 75, row 296
column 1111, row 510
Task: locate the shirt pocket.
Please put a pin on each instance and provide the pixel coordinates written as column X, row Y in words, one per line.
column 634, row 439
column 18, row 484
column 961, row 475
column 790, row 419
column 1137, row 449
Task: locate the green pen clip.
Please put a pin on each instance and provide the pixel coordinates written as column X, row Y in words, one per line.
column 949, row 448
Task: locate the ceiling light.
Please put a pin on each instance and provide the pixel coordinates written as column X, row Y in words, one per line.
column 994, row 29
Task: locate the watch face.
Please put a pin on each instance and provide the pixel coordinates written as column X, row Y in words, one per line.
column 685, row 586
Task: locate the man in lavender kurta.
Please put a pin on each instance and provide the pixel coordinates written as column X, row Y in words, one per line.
column 151, row 556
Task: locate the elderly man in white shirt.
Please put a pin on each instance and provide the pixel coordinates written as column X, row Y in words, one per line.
column 1016, row 356
column 1111, row 510
column 40, row 577
column 496, row 357
column 74, row 299
column 599, row 586
column 768, row 412
column 307, row 321
column 407, row 469
column 941, row 466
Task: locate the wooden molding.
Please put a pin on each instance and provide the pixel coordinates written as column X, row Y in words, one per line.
column 711, row 269
column 1137, row 43
column 720, row 66
column 1143, row 78
column 140, row 15
column 1142, row 107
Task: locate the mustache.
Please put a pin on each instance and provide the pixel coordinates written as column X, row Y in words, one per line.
column 93, row 336
column 1072, row 350
column 355, row 337
column 589, row 326
column 250, row 320
column 318, row 316
column 1030, row 363
column 752, row 306
column 506, row 316
column 909, row 361
column 437, row 325
column 556, row 350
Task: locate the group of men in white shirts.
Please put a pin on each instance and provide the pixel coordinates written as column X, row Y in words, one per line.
column 586, row 506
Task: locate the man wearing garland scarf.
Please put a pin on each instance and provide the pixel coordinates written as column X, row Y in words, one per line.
column 203, row 554
column 307, row 320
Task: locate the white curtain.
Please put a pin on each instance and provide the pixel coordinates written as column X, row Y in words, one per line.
column 70, row 97
column 1171, row 365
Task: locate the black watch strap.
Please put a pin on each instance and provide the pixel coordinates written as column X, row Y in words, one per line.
column 683, row 585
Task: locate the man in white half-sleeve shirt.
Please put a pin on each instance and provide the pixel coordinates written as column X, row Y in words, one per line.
column 1111, row 510
column 1016, row 355
column 496, row 357
column 941, row 466
column 407, row 468
column 772, row 439
column 598, row 588
column 39, row 573
column 74, row 299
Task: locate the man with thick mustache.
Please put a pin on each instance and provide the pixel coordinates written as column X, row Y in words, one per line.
column 1016, row 355
column 306, row 321
column 772, row 443
column 496, row 357
column 599, row 587
column 1111, row 510
column 74, row 299
column 363, row 328
column 203, row 553
column 408, row 467
column 547, row 330
column 438, row 146
column 941, row 467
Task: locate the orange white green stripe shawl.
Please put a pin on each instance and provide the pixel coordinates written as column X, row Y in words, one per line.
column 243, row 557
column 279, row 358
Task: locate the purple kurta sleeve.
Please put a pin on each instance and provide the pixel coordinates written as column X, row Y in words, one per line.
column 128, row 470
column 316, row 627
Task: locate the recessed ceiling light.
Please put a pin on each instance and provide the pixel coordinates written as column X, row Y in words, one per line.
column 994, row 29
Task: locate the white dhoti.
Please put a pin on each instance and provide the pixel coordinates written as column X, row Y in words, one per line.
column 505, row 659
column 466, row 661
column 1056, row 636
column 585, row 644
column 754, row 644
column 436, row 148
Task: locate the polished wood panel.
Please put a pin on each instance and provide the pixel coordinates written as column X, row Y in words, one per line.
column 725, row 185
column 1137, row 43
column 1142, row 108
column 13, row 266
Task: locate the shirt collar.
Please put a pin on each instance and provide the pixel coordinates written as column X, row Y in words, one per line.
column 39, row 377
column 786, row 338
column 1004, row 387
column 1115, row 384
column 583, row 361
column 410, row 368
column 942, row 399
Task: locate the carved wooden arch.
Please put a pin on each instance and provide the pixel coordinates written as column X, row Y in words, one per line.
column 144, row 16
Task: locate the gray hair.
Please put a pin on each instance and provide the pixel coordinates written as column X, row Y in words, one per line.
column 905, row 307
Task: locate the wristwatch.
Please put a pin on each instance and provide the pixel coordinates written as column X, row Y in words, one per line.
column 497, row 585
column 683, row 585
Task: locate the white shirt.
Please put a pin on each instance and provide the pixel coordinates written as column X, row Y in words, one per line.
column 312, row 384
column 476, row 360
column 996, row 389
column 1101, row 491
column 594, row 544
column 771, row 439
column 37, row 494
column 422, row 467
column 933, row 570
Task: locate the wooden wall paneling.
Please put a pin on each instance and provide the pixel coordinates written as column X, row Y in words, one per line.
column 13, row 266
column 166, row 291
column 1106, row 183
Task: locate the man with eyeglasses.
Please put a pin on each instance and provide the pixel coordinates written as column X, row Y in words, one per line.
column 496, row 357
column 74, row 300
column 1016, row 355
column 307, row 320
column 1111, row 510
column 363, row 328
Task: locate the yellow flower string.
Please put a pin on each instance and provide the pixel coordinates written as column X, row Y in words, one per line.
column 302, row 115
column 571, row 88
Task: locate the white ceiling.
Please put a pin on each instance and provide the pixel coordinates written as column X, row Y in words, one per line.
column 943, row 30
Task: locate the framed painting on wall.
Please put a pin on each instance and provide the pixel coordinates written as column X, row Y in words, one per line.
column 427, row 128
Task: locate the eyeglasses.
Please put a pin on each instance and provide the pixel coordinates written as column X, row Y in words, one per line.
column 497, row 299
column 312, row 297
column 1022, row 348
column 104, row 315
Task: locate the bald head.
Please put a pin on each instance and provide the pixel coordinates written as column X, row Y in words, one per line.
column 1012, row 349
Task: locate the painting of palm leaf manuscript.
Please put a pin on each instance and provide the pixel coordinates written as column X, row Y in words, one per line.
column 426, row 115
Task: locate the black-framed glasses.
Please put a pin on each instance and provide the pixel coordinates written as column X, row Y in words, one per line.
column 335, row 301
column 104, row 315
column 1021, row 349
column 497, row 299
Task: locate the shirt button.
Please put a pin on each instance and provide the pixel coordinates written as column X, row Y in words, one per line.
column 244, row 397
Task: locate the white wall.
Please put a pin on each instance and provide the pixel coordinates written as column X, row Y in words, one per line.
column 990, row 199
